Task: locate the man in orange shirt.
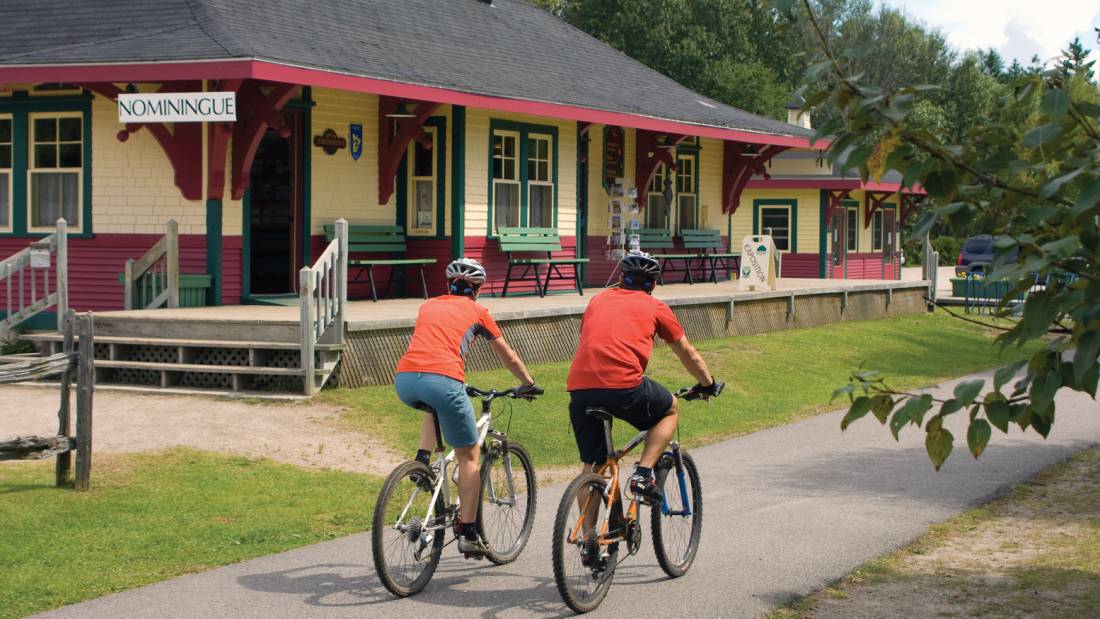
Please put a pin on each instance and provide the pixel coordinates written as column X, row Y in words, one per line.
column 609, row 369
column 432, row 375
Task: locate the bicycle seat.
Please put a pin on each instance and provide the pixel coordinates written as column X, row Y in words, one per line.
column 424, row 407
column 598, row 412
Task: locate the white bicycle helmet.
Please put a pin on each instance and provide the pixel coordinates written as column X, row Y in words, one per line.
column 640, row 263
column 467, row 270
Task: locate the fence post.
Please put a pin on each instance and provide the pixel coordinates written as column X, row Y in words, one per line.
column 85, row 389
column 308, row 333
column 341, row 278
column 62, row 239
column 64, row 413
column 172, row 259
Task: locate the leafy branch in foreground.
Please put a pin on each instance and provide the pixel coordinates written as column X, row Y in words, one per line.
column 1035, row 158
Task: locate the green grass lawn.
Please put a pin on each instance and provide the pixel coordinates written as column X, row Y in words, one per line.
column 152, row 517
column 771, row 379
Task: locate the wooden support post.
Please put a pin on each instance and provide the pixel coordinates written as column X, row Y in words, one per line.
column 790, row 307
column 729, row 312
column 85, row 389
column 308, row 333
column 341, row 279
column 64, row 412
column 172, row 260
column 843, row 301
column 62, row 240
column 128, row 285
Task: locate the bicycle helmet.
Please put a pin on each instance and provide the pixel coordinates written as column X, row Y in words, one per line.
column 465, row 270
column 640, row 271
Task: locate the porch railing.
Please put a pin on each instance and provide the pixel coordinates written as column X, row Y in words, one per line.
column 322, row 299
column 153, row 281
column 25, row 280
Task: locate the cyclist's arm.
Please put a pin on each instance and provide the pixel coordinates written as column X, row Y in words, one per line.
column 511, row 360
column 692, row 360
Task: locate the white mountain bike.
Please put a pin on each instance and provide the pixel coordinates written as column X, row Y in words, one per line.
column 415, row 508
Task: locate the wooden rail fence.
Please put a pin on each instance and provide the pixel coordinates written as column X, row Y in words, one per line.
column 75, row 359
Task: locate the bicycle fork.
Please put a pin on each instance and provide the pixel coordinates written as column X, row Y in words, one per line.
column 681, row 478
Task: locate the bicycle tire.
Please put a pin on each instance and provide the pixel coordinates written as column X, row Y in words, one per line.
column 393, row 489
column 498, row 554
column 676, row 563
column 564, row 522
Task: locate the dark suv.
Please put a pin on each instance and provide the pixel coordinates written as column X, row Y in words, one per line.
column 976, row 255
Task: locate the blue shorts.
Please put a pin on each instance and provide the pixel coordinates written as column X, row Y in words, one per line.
column 447, row 397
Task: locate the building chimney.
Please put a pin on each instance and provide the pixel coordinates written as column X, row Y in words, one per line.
column 796, row 116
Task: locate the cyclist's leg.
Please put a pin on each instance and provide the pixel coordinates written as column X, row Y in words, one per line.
column 652, row 408
column 589, row 433
column 660, row 435
column 469, row 481
column 448, row 399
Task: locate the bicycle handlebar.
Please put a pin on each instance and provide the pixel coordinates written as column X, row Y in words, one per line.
column 690, row 393
column 514, row 393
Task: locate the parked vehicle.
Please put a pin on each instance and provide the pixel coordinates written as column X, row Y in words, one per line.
column 976, row 255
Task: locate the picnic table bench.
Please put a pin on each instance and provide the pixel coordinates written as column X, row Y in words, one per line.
column 385, row 240
column 518, row 243
column 661, row 243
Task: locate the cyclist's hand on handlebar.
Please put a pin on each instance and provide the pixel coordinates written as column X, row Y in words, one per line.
column 528, row 392
column 699, row 392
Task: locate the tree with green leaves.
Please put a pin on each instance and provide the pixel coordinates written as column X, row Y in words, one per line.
column 1037, row 157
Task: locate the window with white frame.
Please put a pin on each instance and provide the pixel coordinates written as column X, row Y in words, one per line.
column 5, row 172
column 776, row 221
column 687, row 202
column 853, row 221
column 540, row 182
column 56, row 169
column 422, row 183
column 876, row 231
column 656, row 210
column 506, row 182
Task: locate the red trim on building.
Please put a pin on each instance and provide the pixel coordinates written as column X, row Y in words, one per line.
column 271, row 71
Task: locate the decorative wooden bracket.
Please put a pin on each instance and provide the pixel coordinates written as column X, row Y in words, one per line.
column 740, row 162
column 394, row 136
column 182, row 144
column 652, row 150
column 909, row 202
column 837, row 197
column 872, row 201
column 256, row 112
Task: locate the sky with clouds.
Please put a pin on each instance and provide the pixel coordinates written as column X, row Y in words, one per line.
column 1016, row 28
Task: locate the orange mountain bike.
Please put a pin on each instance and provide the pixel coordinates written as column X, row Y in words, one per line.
column 591, row 524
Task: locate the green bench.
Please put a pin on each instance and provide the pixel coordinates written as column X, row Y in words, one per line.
column 384, row 240
column 660, row 243
column 518, row 243
column 710, row 251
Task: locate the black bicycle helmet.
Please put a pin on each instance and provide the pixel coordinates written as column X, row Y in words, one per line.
column 640, row 271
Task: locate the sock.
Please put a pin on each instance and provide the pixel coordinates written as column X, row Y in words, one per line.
column 469, row 531
column 423, row 455
column 644, row 471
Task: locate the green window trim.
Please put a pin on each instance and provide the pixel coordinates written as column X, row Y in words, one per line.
column 690, row 151
column 852, row 232
column 792, row 205
column 402, row 191
column 20, row 107
column 524, row 130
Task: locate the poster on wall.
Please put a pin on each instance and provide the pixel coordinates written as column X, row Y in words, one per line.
column 614, row 155
column 356, row 133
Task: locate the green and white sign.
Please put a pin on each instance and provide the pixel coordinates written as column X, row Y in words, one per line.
column 177, row 107
column 758, row 261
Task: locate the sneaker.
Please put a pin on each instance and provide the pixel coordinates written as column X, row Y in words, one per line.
column 590, row 551
column 425, row 483
column 472, row 548
column 645, row 488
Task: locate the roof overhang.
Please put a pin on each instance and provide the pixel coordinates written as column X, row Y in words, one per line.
column 825, row 182
column 249, row 68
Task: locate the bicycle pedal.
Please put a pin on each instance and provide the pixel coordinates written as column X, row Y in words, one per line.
column 473, row 555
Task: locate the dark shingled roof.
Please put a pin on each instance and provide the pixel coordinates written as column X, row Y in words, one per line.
column 508, row 49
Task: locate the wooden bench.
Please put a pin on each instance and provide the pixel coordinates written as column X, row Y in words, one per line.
column 385, row 240
column 517, row 243
column 710, row 251
column 659, row 242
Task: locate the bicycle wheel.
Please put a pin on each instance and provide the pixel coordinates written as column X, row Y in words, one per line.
column 406, row 549
column 675, row 532
column 506, row 513
column 583, row 568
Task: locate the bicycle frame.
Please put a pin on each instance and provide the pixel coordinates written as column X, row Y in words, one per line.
column 610, row 471
column 443, row 483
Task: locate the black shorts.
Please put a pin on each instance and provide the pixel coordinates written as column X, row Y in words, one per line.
column 642, row 407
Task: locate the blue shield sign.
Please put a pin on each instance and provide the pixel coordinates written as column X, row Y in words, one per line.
column 356, row 149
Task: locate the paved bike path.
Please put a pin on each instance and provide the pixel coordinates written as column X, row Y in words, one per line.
column 787, row 510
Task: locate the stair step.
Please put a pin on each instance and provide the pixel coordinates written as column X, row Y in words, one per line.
column 192, row 367
column 161, row 341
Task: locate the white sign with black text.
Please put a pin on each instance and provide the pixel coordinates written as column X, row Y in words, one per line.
column 177, row 107
column 758, row 257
